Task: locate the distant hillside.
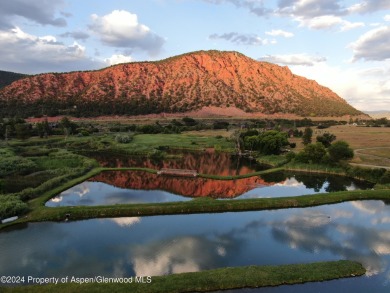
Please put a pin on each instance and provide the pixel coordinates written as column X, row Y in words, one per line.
column 182, row 83
column 6, row 77
column 378, row 114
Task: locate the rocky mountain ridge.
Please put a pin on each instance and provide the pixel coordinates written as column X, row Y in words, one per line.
column 182, row 83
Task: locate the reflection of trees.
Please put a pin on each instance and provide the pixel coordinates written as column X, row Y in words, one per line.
column 204, row 162
column 274, row 177
column 337, row 183
column 315, row 182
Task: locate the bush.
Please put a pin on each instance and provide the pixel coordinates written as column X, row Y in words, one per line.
column 340, row 150
column 267, row 143
column 124, row 138
column 307, row 135
column 30, row 193
column 11, row 206
column 83, row 132
column 150, row 129
column 189, row 121
column 385, row 179
column 15, row 164
column 157, row 155
column 290, row 156
column 220, row 125
column 326, row 139
column 373, row 175
column 312, row 153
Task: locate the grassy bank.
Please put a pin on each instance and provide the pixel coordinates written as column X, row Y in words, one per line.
column 218, row 279
column 198, row 205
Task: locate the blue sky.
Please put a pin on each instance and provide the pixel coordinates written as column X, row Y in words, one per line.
column 344, row 45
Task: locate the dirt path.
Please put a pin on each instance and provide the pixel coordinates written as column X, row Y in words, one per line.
column 384, row 159
column 370, row 166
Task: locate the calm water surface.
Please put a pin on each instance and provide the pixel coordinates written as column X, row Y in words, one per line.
column 120, row 187
column 173, row 244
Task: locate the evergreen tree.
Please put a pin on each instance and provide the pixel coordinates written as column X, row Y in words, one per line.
column 307, row 135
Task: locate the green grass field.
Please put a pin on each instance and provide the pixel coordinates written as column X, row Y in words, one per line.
column 212, row 280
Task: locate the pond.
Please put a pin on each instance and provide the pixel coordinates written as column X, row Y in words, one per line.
column 121, row 187
column 203, row 162
column 160, row 245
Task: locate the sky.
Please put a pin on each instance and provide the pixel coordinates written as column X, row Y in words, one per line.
column 342, row 44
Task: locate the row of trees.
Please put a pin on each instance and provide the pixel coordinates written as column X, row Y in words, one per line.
column 20, row 129
column 325, row 150
column 326, row 139
column 268, row 142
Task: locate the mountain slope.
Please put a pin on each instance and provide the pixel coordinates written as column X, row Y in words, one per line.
column 178, row 84
column 7, row 77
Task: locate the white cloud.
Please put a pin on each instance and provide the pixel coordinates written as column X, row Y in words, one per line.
column 118, row 58
column 242, row 39
column 310, row 8
column 328, row 22
column 121, row 28
column 22, row 52
column 354, row 84
column 257, row 7
column 373, row 45
column 369, row 6
column 38, row 11
column 387, row 17
column 280, row 33
column 346, row 25
column 317, row 14
column 126, row 222
column 293, row 59
column 320, row 22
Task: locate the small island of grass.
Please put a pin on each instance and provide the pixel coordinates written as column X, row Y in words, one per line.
column 212, row 280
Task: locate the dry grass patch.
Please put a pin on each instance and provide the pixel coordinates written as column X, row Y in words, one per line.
column 362, row 137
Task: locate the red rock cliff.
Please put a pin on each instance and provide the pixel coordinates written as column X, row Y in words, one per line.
column 178, row 84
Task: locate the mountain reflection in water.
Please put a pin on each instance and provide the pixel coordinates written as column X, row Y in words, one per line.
column 124, row 187
column 192, row 187
column 206, row 162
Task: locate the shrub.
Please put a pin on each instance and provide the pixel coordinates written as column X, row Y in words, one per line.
column 326, row 139
column 290, row 156
column 267, row 143
column 307, row 135
column 385, row 179
column 220, row 124
column 340, row 150
column 373, row 175
column 124, row 138
column 312, row 153
column 189, row 121
column 11, row 206
column 83, row 132
column 15, row 164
